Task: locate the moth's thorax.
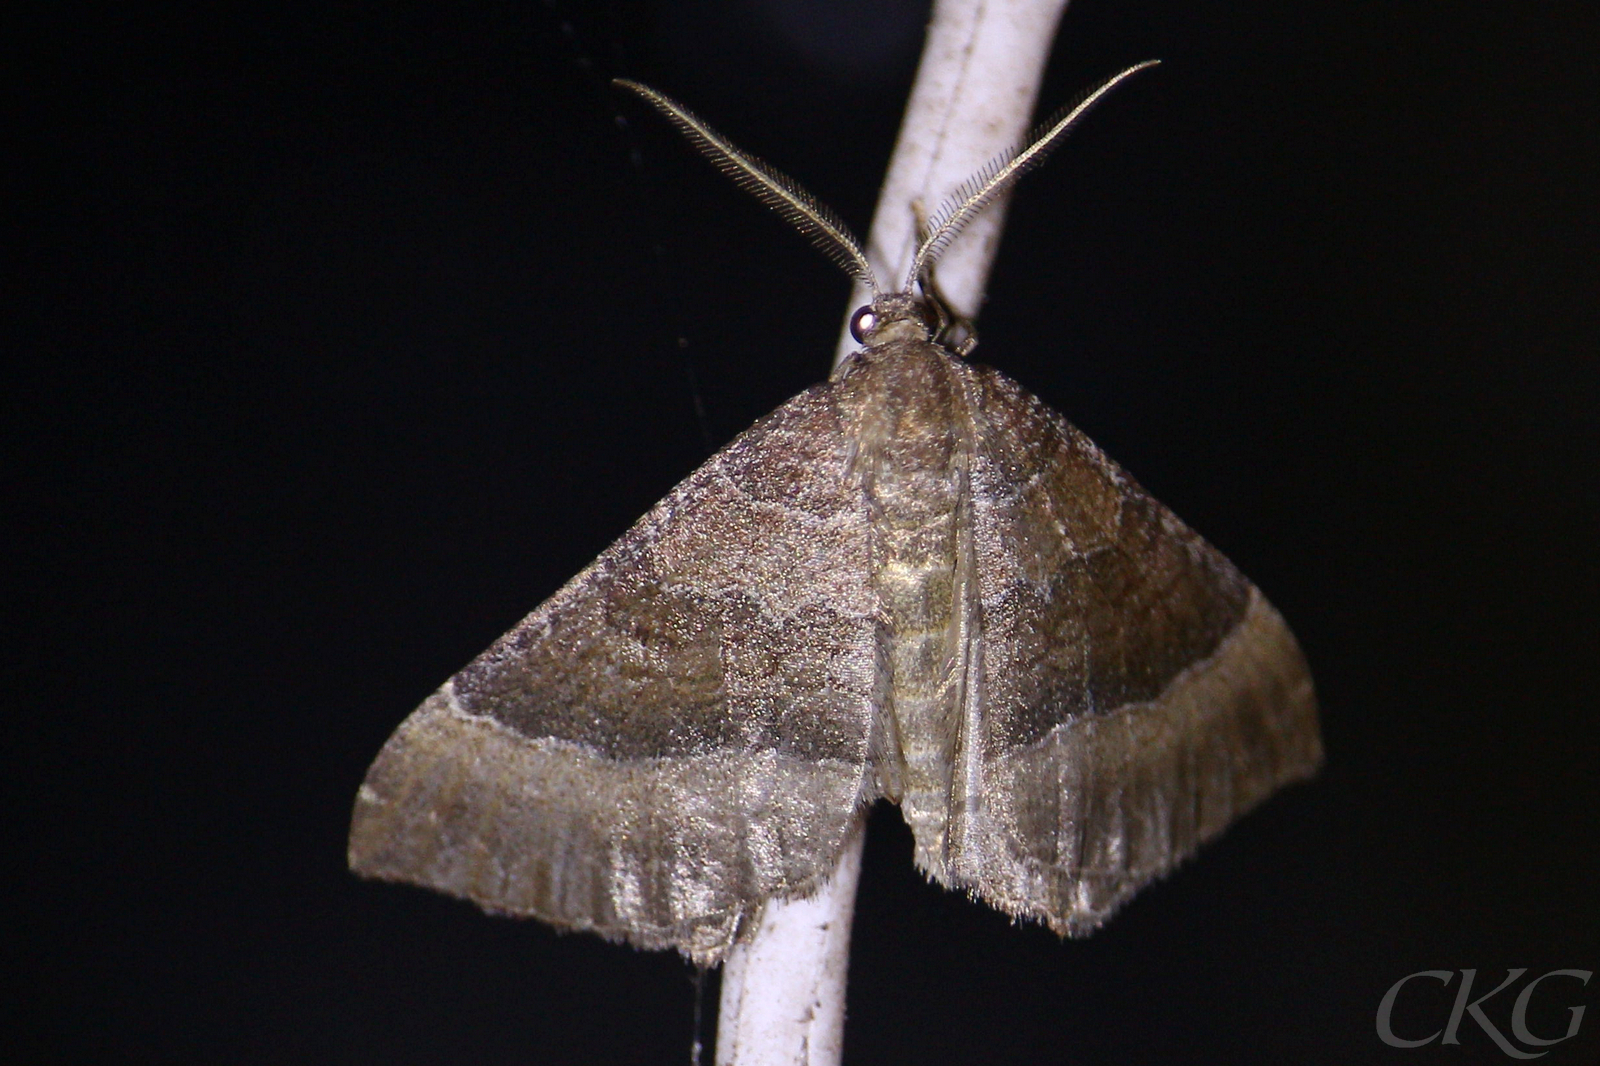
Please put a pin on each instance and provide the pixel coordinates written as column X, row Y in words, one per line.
column 906, row 417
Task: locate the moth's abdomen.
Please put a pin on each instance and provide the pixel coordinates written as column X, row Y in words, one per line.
column 913, row 574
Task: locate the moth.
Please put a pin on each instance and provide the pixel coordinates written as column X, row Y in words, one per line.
column 913, row 581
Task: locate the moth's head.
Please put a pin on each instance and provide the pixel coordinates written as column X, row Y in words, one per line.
column 895, row 316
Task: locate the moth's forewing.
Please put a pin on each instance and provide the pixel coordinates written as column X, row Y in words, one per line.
column 677, row 735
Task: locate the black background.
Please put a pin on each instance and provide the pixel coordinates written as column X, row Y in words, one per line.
column 353, row 333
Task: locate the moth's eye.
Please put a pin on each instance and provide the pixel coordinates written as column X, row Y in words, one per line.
column 862, row 323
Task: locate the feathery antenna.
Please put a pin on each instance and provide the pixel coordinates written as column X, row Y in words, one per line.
column 768, row 184
column 826, row 230
column 977, row 192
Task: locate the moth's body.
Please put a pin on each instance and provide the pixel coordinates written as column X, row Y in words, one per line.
column 904, row 410
column 914, row 582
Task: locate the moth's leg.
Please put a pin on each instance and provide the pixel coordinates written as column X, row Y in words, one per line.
column 953, row 331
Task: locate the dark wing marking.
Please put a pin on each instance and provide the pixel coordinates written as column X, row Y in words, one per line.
column 678, row 734
column 1137, row 692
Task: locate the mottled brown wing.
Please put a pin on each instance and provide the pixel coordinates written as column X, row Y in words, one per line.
column 678, row 734
column 1137, row 692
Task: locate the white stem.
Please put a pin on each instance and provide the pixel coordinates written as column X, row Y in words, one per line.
column 783, row 989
